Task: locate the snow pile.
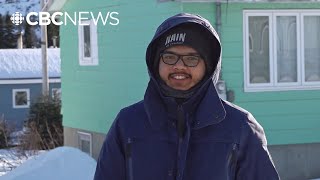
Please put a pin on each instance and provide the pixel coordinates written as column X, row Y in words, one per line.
column 27, row 63
column 12, row 158
column 63, row 163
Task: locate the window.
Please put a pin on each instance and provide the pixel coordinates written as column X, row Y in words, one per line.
column 88, row 44
column 85, row 141
column 281, row 49
column 56, row 93
column 21, row 98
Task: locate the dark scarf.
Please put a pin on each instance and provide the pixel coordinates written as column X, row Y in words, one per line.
column 179, row 95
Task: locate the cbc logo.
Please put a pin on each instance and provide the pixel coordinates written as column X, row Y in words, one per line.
column 45, row 18
column 17, row 18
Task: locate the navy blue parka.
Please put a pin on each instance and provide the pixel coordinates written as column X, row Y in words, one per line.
column 221, row 141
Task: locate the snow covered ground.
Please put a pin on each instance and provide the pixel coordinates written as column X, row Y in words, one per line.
column 63, row 163
column 11, row 158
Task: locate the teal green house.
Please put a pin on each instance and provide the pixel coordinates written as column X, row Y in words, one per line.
column 271, row 67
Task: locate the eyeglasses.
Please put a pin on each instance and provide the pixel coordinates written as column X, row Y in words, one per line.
column 188, row 60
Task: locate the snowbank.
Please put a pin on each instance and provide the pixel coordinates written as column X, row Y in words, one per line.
column 63, row 163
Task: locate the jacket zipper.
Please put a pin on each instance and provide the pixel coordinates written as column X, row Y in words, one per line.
column 232, row 160
column 129, row 159
column 180, row 122
column 180, row 130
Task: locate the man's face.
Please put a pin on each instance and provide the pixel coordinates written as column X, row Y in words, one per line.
column 179, row 76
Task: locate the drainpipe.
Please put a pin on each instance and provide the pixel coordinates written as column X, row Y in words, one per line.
column 218, row 17
column 221, row 86
column 218, row 24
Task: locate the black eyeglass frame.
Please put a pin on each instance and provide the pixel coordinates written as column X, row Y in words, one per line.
column 182, row 57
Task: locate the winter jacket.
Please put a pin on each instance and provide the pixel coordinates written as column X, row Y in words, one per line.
column 220, row 141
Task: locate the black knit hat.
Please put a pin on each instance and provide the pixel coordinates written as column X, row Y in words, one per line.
column 192, row 35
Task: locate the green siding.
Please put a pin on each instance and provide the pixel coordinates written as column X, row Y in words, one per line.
column 92, row 96
column 206, row 10
column 288, row 117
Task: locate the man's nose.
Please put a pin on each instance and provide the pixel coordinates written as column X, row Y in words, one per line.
column 179, row 64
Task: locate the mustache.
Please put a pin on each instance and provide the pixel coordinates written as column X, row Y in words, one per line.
column 180, row 73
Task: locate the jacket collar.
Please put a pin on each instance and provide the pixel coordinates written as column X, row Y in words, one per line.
column 210, row 110
column 160, row 109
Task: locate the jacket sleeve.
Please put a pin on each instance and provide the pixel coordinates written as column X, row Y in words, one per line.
column 111, row 161
column 254, row 161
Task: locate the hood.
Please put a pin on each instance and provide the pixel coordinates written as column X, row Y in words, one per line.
column 179, row 19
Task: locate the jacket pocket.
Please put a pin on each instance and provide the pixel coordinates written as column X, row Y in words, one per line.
column 211, row 159
column 149, row 158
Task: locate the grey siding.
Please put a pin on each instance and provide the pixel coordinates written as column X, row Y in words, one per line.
column 16, row 116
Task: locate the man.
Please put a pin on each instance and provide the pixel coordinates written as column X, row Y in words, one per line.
column 182, row 130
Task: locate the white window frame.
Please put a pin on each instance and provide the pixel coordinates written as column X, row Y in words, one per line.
column 85, row 137
column 287, row 84
column 311, row 13
column 14, row 98
column 93, row 60
column 301, row 84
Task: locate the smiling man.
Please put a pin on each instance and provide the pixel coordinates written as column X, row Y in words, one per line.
column 181, row 67
column 182, row 130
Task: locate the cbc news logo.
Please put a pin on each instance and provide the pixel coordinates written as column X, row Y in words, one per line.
column 60, row 18
column 17, row 18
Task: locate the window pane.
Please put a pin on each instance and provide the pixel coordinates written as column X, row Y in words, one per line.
column 56, row 93
column 259, row 49
column 21, row 98
column 287, row 48
column 86, row 43
column 85, row 146
column 312, row 48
